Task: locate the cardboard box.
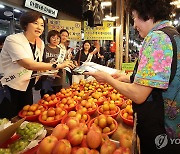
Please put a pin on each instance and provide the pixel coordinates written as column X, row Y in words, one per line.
column 8, row 132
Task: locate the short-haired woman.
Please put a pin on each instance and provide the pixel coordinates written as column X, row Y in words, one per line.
column 50, row 84
column 21, row 55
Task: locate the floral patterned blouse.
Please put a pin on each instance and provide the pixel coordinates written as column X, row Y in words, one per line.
column 155, row 59
column 154, row 69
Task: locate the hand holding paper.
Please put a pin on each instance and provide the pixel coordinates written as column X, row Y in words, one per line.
column 67, row 63
column 93, row 67
column 100, row 76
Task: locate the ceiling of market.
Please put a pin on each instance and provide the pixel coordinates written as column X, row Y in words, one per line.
column 71, row 7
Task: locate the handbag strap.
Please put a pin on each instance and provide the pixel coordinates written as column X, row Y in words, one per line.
column 90, row 55
column 171, row 32
column 134, row 71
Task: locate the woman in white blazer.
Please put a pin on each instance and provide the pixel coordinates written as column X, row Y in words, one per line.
column 21, row 56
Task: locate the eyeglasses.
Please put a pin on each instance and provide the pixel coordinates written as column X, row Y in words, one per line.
column 55, row 39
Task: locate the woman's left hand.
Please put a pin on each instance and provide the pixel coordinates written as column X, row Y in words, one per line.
column 100, row 76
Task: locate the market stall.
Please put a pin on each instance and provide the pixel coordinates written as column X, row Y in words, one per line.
column 78, row 109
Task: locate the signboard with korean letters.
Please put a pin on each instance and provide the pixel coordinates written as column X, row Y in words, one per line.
column 40, row 7
column 73, row 27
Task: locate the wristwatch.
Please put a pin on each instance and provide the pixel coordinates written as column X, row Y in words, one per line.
column 54, row 65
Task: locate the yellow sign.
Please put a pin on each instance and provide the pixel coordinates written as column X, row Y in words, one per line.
column 73, row 27
column 104, row 32
column 128, row 66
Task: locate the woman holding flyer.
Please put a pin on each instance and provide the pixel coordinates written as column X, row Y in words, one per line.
column 22, row 55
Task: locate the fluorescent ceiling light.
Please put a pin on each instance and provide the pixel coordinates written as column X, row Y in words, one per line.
column 116, row 27
column 174, row 14
column 103, row 4
column 177, row 3
column 175, row 22
column 2, row 6
column 16, row 10
column 110, row 18
column 114, row 17
column 8, row 13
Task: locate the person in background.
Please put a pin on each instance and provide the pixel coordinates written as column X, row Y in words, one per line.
column 65, row 55
column 98, row 52
column 70, row 54
column 21, row 56
column 154, row 86
column 51, row 85
column 76, row 49
column 67, row 43
column 84, row 55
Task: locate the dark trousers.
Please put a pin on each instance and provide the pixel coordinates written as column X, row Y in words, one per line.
column 9, row 109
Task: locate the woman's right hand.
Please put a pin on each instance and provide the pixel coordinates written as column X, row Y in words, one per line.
column 66, row 63
column 116, row 75
column 121, row 77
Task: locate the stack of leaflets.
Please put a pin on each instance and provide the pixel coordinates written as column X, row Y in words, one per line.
column 93, row 67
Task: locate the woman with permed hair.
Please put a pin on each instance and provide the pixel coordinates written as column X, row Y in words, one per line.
column 21, row 56
column 154, row 85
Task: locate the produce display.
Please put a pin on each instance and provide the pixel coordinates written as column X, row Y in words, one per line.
column 75, row 140
column 3, row 121
column 5, row 151
column 27, row 136
column 127, row 113
column 109, row 109
column 32, row 112
column 52, row 116
column 67, row 103
column 106, row 124
column 49, row 100
column 19, row 146
column 83, row 116
column 29, row 131
column 87, row 106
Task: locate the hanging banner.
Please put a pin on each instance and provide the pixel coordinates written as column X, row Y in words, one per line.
column 104, row 32
column 37, row 6
column 73, row 27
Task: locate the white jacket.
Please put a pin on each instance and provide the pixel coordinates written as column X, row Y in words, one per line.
column 17, row 47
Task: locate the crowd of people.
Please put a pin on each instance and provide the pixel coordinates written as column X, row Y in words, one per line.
column 24, row 54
